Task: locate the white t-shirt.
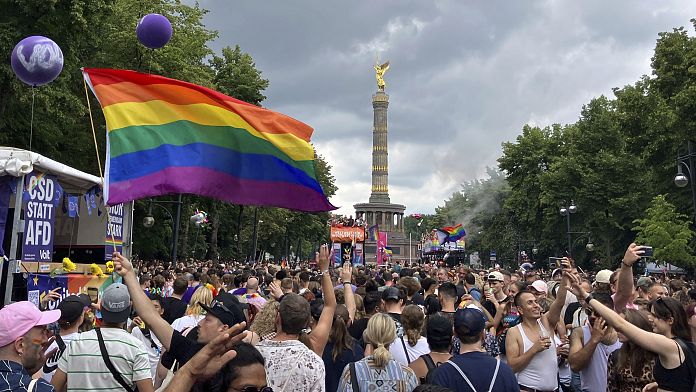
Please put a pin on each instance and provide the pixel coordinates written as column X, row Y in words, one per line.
column 49, row 368
column 83, row 363
column 397, row 350
column 190, row 321
column 153, row 353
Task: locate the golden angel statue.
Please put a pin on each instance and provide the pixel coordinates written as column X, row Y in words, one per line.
column 380, row 70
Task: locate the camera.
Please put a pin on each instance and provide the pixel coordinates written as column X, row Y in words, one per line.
column 647, row 251
column 555, row 262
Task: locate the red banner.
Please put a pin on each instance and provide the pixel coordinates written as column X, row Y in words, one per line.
column 347, row 234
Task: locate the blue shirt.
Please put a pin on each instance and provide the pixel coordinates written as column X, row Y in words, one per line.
column 479, row 368
column 14, row 378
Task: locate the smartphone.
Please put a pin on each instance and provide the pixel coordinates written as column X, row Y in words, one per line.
column 647, row 251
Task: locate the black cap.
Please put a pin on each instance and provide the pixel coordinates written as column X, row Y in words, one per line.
column 71, row 308
column 227, row 308
column 392, row 293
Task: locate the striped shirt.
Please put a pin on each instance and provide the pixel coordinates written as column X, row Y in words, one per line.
column 82, row 361
column 392, row 377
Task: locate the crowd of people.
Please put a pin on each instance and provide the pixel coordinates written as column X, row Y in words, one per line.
column 233, row 327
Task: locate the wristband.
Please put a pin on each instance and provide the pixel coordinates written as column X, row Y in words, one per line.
column 627, row 265
column 345, row 283
column 588, row 298
column 324, row 271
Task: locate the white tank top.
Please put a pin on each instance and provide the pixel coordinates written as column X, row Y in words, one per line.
column 542, row 371
column 594, row 376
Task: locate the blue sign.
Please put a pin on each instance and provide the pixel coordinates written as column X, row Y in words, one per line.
column 41, row 194
column 114, row 231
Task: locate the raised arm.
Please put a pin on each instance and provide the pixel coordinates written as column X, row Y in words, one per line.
column 320, row 333
column 346, row 280
column 661, row 345
column 624, row 289
column 554, row 313
column 146, row 311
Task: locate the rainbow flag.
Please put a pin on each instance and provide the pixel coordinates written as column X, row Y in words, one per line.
column 451, row 233
column 169, row 136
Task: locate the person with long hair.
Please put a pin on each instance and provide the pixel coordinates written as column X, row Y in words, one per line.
column 341, row 348
column 379, row 368
column 412, row 345
column 263, row 326
column 673, row 370
column 194, row 312
column 630, row 367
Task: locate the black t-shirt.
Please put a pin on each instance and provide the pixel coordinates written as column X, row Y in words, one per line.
column 488, row 305
column 173, row 309
column 418, row 299
column 570, row 310
column 358, row 327
column 182, row 349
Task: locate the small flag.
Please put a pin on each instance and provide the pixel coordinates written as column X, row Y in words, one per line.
column 73, row 206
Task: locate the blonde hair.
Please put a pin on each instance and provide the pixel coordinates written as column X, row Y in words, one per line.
column 380, row 332
column 202, row 295
column 265, row 321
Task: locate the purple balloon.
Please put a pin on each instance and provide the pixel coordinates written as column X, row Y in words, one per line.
column 37, row 60
column 154, row 31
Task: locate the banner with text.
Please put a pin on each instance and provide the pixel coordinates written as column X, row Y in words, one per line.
column 114, row 231
column 358, row 256
column 38, row 285
column 347, row 234
column 42, row 193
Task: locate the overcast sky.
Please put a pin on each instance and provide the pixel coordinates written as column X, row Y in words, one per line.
column 465, row 76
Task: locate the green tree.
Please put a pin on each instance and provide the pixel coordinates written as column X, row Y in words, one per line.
column 668, row 232
column 236, row 75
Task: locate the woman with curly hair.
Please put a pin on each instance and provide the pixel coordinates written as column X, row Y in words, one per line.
column 264, row 324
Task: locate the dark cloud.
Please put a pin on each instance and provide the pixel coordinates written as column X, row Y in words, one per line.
column 465, row 76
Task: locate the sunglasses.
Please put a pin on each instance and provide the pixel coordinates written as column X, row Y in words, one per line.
column 254, row 389
column 218, row 304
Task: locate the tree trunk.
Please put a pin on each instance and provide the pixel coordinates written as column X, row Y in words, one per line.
column 185, row 235
column 213, row 252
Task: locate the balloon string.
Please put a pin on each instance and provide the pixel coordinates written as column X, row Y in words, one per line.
column 149, row 65
column 31, row 122
column 96, row 149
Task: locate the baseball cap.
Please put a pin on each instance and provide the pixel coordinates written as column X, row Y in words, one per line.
column 115, row 303
column 18, row 318
column 496, row 275
column 644, row 281
column 540, row 286
column 471, row 319
column 603, row 276
column 71, row 308
column 392, row 293
column 556, row 271
column 227, row 308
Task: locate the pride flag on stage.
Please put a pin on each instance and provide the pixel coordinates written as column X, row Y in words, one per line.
column 450, row 233
column 169, row 136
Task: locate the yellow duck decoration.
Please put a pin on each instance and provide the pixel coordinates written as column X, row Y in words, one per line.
column 109, row 267
column 68, row 266
column 96, row 270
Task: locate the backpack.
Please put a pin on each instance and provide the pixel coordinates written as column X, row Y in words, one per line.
column 431, row 365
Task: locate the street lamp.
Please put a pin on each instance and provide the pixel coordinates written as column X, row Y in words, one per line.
column 567, row 211
column 680, row 179
column 149, row 221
